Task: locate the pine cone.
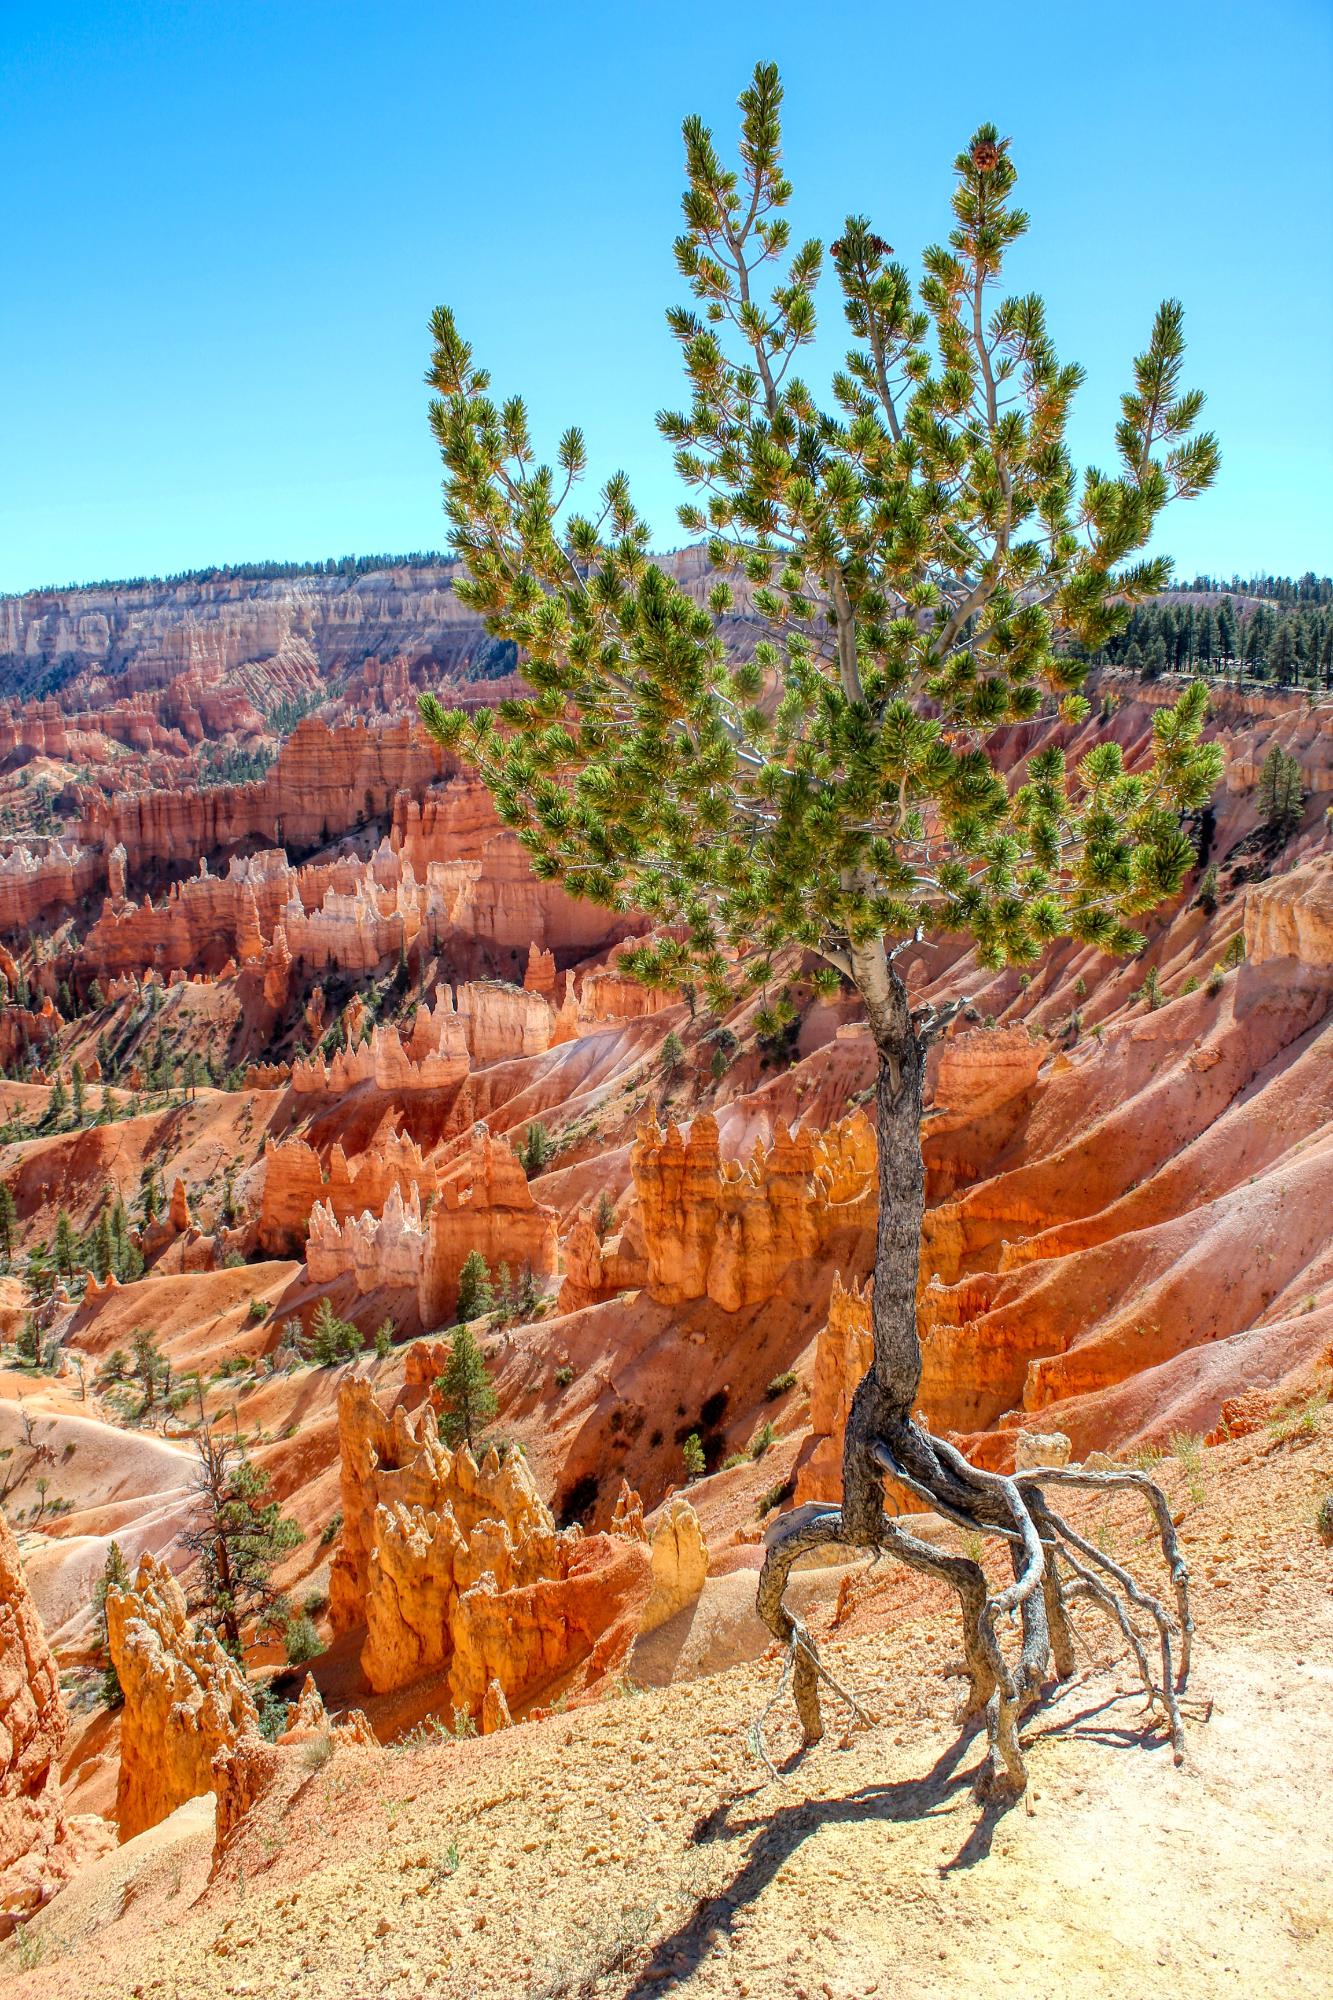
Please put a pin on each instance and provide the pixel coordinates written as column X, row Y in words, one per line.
column 985, row 156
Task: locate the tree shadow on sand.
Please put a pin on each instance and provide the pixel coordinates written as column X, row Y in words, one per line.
column 775, row 1833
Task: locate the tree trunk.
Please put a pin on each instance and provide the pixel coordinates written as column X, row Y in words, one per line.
column 902, row 1178
column 882, row 1407
column 1050, row 1561
column 902, row 1207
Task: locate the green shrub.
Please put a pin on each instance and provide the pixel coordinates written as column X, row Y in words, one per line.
column 761, row 1440
column 330, row 1530
column 272, row 1712
column 301, row 1638
column 775, row 1497
column 692, row 1453
column 781, row 1384
column 258, row 1311
column 564, row 1375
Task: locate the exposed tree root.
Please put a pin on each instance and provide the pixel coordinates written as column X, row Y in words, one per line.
column 1053, row 1567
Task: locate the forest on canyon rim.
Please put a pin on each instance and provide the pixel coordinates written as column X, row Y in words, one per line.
column 419, row 1329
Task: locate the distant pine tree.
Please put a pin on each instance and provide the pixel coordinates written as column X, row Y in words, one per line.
column 468, row 1402
column 1281, row 798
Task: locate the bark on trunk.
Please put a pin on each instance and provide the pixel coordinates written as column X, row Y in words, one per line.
column 902, row 1208
column 902, row 1178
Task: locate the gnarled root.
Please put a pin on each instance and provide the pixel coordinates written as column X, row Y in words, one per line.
column 1053, row 1567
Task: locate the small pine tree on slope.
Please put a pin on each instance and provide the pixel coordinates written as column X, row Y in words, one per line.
column 912, row 553
column 467, row 1400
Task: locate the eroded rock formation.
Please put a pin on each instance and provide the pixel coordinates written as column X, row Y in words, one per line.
column 482, row 1201
column 676, row 1547
column 730, row 1230
column 1292, row 917
column 37, row 1851
column 842, row 1354
column 457, row 1567
column 185, row 1699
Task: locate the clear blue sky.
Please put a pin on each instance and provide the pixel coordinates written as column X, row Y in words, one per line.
column 224, row 227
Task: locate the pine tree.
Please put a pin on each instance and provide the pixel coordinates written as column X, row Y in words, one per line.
column 467, row 1400
column 38, row 1274
column 537, row 1149
column 238, row 1536
column 529, row 1292
column 8, row 1222
column 1281, row 797
column 115, row 1576
column 59, row 1101
column 77, row 1082
column 1282, row 654
column 102, row 1248
column 332, row 1340
column 150, row 1367
column 64, row 1245
column 910, row 556
column 475, row 1295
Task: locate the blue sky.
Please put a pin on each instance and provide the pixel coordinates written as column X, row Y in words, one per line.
column 224, row 227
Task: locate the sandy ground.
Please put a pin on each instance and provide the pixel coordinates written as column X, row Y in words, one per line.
column 638, row 1847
